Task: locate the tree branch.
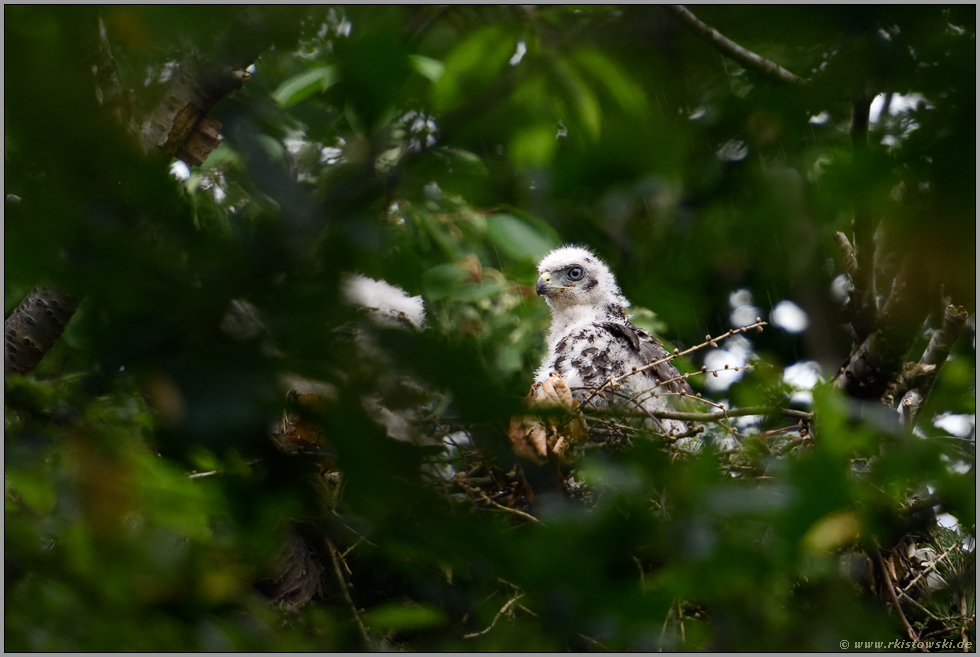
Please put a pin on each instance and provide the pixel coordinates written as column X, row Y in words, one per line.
column 342, row 583
column 862, row 306
column 933, row 358
column 503, row 610
column 710, row 417
column 898, row 605
column 179, row 125
column 847, row 256
column 731, row 49
column 941, row 344
column 877, row 362
column 33, row 328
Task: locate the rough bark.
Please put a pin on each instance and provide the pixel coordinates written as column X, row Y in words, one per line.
column 33, row 328
column 180, row 124
column 862, row 308
column 918, row 382
column 877, row 361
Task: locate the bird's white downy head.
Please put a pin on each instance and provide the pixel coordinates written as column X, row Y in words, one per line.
column 574, row 280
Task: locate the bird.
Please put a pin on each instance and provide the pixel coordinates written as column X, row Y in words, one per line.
column 592, row 340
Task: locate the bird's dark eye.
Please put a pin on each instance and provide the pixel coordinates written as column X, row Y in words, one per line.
column 575, row 273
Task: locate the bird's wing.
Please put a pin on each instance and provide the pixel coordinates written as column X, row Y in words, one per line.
column 583, row 358
column 649, row 350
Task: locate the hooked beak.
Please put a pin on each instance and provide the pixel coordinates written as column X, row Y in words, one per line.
column 543, row 286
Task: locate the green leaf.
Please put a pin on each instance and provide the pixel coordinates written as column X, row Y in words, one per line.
column 472, row 64
column 583, row 100
column 300, row 87
column 465, row 159
column 395, row 616
column 533, row 146
column 427, row 67
column 441, row 280
column 518, row 239
column 626, row 92
column 223, row 154
column 470, row 293
column 273, row 147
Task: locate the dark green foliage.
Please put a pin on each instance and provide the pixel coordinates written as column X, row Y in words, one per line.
column 412, row 144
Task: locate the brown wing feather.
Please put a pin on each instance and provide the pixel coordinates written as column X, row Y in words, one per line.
column 649, row 350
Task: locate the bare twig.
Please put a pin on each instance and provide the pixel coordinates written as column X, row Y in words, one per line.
column 902, row 594
column 503, row 610
column 197, row 475
column 516, row 512
column 731, row 49
column 643, row 583
column 613, row 381
column 721, row 415
column 931, row 566
column 335, row 557
column 894, row 596
column 663, row 630
column 966, row 644
column 360, row 537
column 592, row 641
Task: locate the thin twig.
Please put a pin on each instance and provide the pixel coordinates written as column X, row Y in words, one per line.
column 643, row 584
column 195, row 475
column 510, row 510
column 591, row 640
column 898, row 604
column 663, row 630
column 931, row 566
column 966, row 643
column 503, row 610
column 612, row 381
column 728, row 47
column 903, row 594
column 721, row 415
column 334, row 556
column 363, row 538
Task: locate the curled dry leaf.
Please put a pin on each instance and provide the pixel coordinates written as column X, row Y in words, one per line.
column 541, row 439
column 297, row 433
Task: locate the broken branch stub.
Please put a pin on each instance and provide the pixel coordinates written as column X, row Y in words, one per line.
column 192, row 133
column 197, row 146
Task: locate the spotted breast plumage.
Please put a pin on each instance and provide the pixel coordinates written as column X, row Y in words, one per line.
column 592, row 339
